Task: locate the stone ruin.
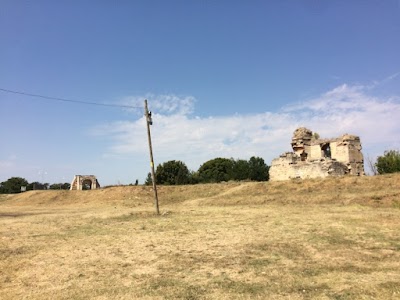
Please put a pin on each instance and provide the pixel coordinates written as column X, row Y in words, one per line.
column 84, row 182
column 313, row 157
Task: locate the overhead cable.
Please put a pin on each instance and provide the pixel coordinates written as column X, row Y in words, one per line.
column 67, row 100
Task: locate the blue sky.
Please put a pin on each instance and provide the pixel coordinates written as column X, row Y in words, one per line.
column 223, row 79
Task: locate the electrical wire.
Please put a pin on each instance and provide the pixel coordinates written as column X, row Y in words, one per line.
column 68, row 100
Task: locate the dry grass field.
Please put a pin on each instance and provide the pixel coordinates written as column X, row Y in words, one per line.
column 316, row 239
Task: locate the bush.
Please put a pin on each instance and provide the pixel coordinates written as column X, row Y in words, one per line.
column 389, row 162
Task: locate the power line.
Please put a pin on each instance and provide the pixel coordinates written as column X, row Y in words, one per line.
column 67, row 100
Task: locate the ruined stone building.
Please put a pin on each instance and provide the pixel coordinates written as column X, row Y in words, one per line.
column 313, row 157
column 84, row 182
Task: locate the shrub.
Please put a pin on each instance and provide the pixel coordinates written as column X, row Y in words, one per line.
column 389, row 162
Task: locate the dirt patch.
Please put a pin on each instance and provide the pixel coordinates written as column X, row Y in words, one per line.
column 20, row 214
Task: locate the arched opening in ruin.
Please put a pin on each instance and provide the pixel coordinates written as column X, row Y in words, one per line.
column 84, row 182
column 303, row 156
column 87, row 184
column 326, row 150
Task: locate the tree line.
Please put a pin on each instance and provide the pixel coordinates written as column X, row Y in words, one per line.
column 216, row 170
column 175, row 172
column 13, row 185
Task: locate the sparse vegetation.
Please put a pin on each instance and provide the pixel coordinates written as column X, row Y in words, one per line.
column 315, row 239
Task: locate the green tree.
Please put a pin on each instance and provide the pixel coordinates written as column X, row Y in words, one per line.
column 13, row 185
column 37, row 186
column 389, row 162
column 315, row 135
column 149, row 180
column 194, row 177
column 241, row 170
column 259, row 171
column 173, row 172
column 216, row 170
column 60, row 186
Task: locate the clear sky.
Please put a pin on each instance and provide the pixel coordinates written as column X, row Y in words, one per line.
column 222, row 78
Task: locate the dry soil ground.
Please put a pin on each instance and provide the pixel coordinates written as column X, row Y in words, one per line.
column 314, row 239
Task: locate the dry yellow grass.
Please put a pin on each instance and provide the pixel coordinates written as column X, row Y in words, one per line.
column 331, row 239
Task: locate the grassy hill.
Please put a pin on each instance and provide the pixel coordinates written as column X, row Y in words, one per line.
column 337, row 238
column 377, row 191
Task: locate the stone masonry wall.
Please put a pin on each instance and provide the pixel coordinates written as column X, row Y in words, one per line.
column 283, row 168
column 312, row 158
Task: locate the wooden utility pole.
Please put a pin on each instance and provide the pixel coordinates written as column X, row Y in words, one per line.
column 153, row 177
